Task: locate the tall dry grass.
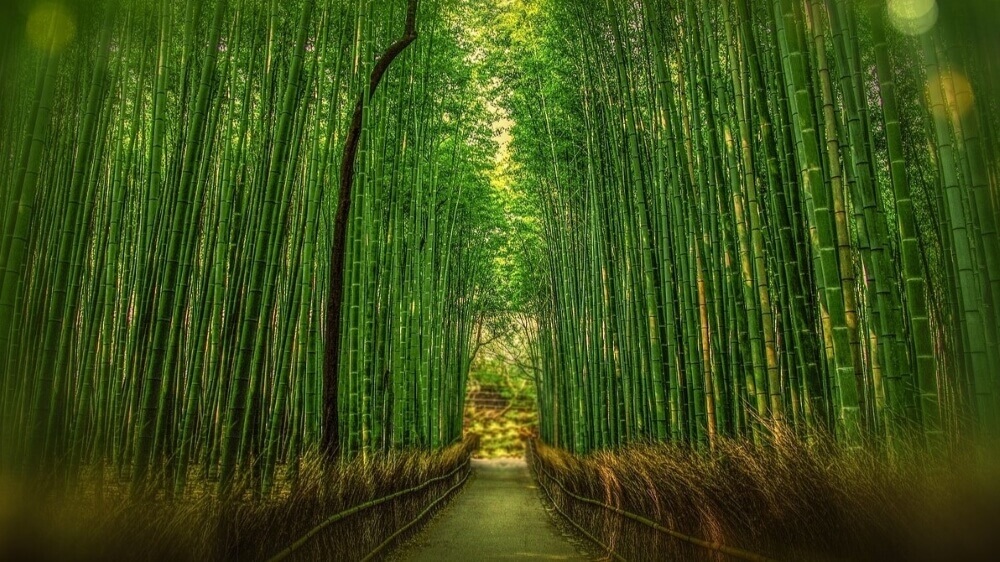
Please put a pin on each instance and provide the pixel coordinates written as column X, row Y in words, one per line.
column 788, row 500
column 95, row 519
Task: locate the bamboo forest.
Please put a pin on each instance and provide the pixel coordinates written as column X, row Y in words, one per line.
column 499, row 279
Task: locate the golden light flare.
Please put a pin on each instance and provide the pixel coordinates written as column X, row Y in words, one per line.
column 50, row 26
column 913, row 17
column 956, row 91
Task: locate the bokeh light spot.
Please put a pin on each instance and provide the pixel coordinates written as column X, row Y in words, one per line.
column 913, row 17
column 956, row 93
column 50, row 26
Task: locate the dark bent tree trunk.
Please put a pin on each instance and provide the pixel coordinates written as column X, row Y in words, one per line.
column 335, row 299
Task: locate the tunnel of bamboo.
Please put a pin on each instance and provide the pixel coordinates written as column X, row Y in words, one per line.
column 704, row 218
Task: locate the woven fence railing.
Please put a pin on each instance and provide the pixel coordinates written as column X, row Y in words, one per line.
column 304, row 539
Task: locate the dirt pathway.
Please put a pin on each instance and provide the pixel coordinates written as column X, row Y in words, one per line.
column 498, row 516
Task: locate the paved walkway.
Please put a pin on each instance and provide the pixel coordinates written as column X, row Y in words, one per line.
column 498, row 516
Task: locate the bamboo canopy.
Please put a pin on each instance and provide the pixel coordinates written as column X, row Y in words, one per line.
column 704, row 218
column 760, row 213
column 169, row 180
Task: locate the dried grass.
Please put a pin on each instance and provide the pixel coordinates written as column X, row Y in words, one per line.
column 787, row 500
column 92, row 521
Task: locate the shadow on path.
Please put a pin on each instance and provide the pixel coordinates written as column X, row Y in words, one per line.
column 498, row 516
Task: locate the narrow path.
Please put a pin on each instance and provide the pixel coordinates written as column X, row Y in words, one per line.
column 498, row 516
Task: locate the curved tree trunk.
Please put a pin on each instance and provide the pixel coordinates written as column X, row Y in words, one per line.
column 335, row 299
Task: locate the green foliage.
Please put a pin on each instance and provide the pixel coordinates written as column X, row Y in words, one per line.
column 687, row 218
column 168, row 184
column 754, row 212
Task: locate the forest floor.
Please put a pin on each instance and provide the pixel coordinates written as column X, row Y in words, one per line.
column 498, row 516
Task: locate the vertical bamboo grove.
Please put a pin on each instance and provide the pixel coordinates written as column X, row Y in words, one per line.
column 169, row 180
column 758, row 213
column 753, row 213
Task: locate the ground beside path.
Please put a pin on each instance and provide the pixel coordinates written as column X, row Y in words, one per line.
column 498, row 516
